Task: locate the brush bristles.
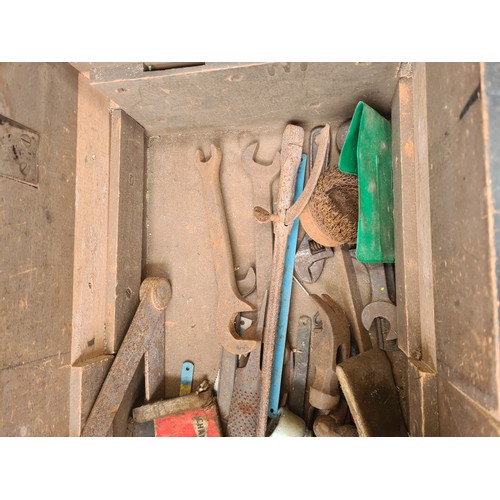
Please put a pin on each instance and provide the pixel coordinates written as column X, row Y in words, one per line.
column 334, row 205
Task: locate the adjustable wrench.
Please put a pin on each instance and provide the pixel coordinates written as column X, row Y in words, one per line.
column 311, row 255
column 310, row 259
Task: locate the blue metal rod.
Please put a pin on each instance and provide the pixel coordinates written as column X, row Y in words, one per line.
column 286, row 292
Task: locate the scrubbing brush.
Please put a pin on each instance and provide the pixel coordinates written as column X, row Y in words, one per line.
column 331, row 216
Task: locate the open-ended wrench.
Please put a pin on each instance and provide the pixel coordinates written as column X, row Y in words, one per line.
column 262, row 177
column 229, row 300
column 381, row 305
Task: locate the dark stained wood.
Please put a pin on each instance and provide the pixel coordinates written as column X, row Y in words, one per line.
column 34, row 398
column 369, row 388
column 423, row 400
column 87, row 378
column 36, row 256
column 460, row 416
column 405, row 219
column 463, row 255
column 490, row 101
column 91, row 223
column 423, row 166
column 125, row 213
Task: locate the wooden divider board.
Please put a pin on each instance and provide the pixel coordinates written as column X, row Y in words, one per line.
column 108, row 244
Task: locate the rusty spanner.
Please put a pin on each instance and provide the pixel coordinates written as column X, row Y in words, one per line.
column 311, row 255
column 381, row 305
column 262, row 177
column 229, row 300
column 243, row 412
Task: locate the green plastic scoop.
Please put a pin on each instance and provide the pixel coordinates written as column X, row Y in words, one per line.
column 367, row 152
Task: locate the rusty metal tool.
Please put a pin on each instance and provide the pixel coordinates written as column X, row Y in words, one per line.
column 229, row 360
column 381, row 328
column 314, row 139
column 381, row 305
column 229, row 300
column 352, row 298
column 297, row 396
column 330, row 345
column 243, row 412
column 310, row 259
column 155, row 294
column 311, row 255
column 290, row 156
column 262, row 177
column 284, row 308
column 248, row 379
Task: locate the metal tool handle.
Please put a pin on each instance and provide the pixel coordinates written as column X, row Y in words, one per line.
column 378, row 282
column 286, row 292
column 291, row 152
column 262, row 177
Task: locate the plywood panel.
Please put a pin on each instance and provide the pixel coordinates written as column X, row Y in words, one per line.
column 36, row 260
column 423, row 400
column 460, row 416
column 34, row 398
column 423, row 112
column 490, row 91
column 464, row 293
column 406, row 228
column 124, row 252
column 36, row 224
column 246, row 95
column 91, row 223
column 87, row 378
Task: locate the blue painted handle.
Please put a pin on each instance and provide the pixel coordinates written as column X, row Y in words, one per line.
column 286, row 292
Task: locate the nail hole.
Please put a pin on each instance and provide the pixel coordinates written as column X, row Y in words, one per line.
column 128, row 293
